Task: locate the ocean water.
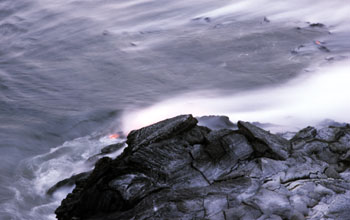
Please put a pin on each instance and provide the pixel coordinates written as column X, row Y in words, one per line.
column 73, row 72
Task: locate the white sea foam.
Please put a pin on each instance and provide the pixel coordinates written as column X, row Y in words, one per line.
column 306, row 100
column 48, row 169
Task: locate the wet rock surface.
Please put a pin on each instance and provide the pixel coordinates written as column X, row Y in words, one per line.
column 71, row 181
column 177, row 169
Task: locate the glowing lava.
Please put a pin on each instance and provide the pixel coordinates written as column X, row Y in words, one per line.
column 114, row 136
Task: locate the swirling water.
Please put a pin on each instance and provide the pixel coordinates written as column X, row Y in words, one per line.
column 72, row 72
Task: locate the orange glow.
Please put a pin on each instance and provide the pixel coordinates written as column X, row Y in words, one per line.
column 114, row 136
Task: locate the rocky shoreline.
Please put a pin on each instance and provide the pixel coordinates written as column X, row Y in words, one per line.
column 177, row 169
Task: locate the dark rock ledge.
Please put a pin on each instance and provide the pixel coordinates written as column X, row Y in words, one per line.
column 176, row 169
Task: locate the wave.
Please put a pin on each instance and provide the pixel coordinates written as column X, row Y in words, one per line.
column 138, row 15
column 307, row 100
column 41, row 172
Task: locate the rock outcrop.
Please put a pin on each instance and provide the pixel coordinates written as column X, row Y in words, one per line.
column 176, row 169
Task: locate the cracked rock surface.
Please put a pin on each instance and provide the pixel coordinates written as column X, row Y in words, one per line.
column 176, row 169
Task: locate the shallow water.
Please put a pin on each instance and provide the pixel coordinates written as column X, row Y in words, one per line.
column 72, row 72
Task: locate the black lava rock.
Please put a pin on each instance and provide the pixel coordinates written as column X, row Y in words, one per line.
column 112, row 148
column 68, row 182
column 176, row 169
